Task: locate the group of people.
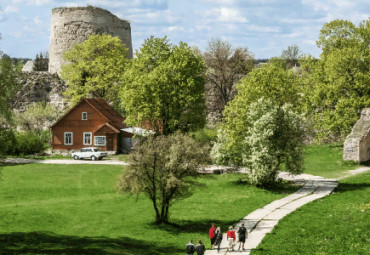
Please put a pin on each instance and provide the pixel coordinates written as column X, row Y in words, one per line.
column 191, row 248
column 215, row 235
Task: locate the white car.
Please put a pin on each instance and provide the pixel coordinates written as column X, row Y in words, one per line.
column 89, row 152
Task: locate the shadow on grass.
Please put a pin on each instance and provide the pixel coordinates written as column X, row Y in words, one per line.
column 50, row 243
column 345, row 187
column 187, row 226
column 279, row 187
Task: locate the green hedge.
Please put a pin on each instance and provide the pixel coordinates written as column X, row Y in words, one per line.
column 23, row 143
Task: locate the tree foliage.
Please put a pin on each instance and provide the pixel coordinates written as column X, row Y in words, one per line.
column 37, row 117
column 95, row 65
column 270, row 81
column 226, row 66
column 8, row 84
column 261, row 136
column 41, row 62
column 163, row 168
column 337, row 86
column 291, row 55
column 164, row 87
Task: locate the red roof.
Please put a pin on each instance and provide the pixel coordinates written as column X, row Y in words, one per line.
column 107, row 111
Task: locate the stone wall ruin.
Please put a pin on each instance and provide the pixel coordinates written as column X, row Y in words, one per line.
column 357, row 144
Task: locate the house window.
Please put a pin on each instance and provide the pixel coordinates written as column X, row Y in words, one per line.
column 99, row 140
column 68, row 138
column 87, row 138
column 84, row 116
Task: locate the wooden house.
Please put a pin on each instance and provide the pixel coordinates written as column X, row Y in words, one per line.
column 90, row 123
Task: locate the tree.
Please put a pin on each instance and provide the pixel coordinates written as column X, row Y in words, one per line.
column 41, row 62
column 95, row 65
column 163, row 168
column 163, row 87
column 267, row 136
column 37, row 117
column 290, row 55
column 337, row 86
column 269, row 81
column 8, row 85
column 226, row 66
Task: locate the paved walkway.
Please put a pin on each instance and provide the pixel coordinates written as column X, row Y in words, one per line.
column 262, row 221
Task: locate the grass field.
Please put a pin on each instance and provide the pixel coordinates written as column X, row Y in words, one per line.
column 326, row 160
column 337, row 224
column 75, row 209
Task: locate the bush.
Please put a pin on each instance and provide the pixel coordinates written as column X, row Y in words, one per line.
column 8, row 141
column 205, row 135
column 31, row 142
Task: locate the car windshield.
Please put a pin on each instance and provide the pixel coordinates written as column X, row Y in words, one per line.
column 95, row 150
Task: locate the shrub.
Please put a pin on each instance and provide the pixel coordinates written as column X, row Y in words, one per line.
column 8, row 141
column 205, row 135
column 31, row 142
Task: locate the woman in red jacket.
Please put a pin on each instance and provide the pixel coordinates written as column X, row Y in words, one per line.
column 211, row 233
column 231, row 238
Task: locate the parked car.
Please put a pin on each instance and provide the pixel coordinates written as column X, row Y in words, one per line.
column 89, row 152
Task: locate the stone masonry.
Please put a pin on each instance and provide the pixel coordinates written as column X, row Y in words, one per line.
column 38, row 87
column 71, row 25
column 357, row 144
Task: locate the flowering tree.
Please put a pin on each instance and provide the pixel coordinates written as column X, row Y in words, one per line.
column 266, row 135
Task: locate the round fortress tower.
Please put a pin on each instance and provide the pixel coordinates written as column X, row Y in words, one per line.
column 70, row 25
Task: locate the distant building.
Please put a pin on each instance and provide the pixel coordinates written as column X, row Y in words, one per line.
column 28, row 67
column 357, row 144
column 92, row 122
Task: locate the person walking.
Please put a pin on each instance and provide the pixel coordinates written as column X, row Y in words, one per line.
column 199, row 248
column 243, row 234
column 190, row 248
column 231, row 238
column 211, row 234
column 218, row 238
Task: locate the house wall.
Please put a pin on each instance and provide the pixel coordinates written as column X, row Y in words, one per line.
column 73, row 123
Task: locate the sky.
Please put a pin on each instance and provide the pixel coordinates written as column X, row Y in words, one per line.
column 265, row 27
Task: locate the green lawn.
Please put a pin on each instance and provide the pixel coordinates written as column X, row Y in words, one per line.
column 337, row 224
column 75, row 209
column 326, row 160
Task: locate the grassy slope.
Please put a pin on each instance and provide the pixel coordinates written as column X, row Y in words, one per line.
column 75, row 209
column 326, row 160
column 337, row 224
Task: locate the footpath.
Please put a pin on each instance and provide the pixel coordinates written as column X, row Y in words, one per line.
column 263, row 220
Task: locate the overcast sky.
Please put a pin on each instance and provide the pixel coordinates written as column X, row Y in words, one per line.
column 266, row 27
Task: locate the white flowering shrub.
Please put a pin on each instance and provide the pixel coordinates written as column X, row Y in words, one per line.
column 270, row 135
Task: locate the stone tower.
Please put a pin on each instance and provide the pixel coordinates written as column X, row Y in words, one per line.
column 71, row 25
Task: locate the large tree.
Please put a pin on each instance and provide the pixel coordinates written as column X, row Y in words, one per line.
column 95, row 65
column 163, row 168
column 163, row 87
column 337, row 86
column 261, row 136
column 8, row 84
column 226, row 66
